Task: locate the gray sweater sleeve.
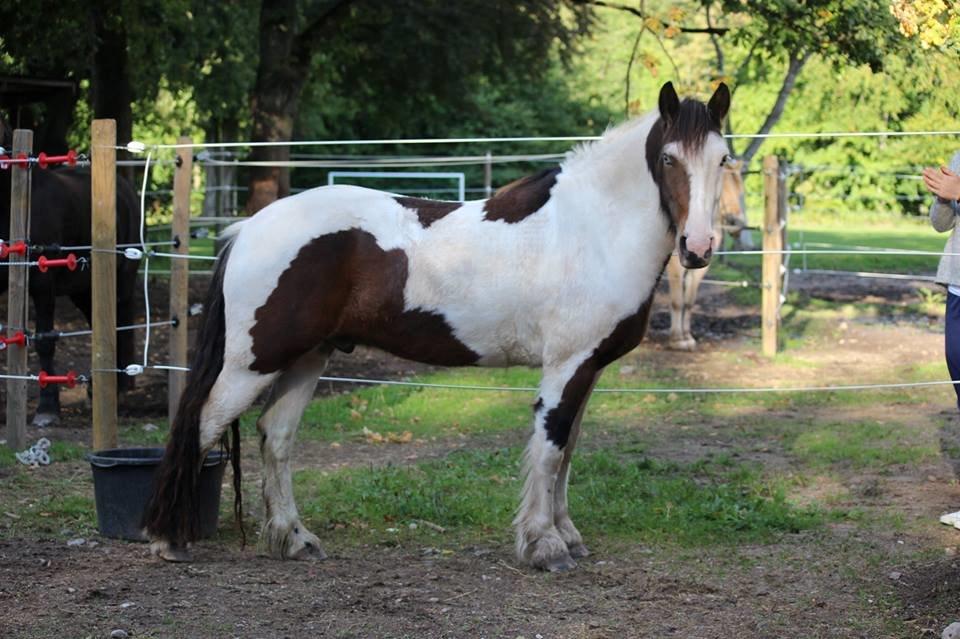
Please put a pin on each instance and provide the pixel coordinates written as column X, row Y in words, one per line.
column 943, row 213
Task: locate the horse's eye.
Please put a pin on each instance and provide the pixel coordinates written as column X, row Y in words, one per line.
column 667, row 160
column 726, row 160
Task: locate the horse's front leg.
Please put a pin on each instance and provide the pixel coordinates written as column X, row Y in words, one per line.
column 48, row 408
column 561, row 514
column 691, row 285
column 676, row 276
column 540, row 542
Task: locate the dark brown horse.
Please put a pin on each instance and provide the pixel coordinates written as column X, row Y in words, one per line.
column 60, row 216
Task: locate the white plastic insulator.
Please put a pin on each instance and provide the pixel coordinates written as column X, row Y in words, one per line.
column 136, row 147
column 133, row 370
column 133, row 253
column 783, row 298
column 783, row 269
column 2, row 150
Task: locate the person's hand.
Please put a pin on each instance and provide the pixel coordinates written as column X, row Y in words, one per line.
column 942, row 182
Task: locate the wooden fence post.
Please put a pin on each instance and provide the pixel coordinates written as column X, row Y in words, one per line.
column 772, row 261
column 17, row 278
column 103, row 154
column 179, row 271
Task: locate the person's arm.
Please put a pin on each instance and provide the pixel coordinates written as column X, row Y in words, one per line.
column 943, row 214
column 944, row 183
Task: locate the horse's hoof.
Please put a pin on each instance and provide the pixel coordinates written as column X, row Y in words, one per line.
column 169, row 552
column 562, row 563
column 681, row 345
column 46, row 420
column 578, row 551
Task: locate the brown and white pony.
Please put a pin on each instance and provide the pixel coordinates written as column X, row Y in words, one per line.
column 683, row 282
column 558, row 272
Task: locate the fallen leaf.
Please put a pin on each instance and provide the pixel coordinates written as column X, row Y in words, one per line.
column 400, row 438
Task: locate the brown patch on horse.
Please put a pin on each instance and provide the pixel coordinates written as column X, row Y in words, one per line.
column 428, row 211
column 343, row 289
column 626, row 335
column 521, row 198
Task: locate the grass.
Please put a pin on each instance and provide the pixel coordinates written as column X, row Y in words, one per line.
column 36, row 504
column 614, row 494
column 863, row 445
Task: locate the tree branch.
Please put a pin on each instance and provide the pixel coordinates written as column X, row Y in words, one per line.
column 633, row 55
column 640, row 14
column 306, row 42
column 793, row 70
column 721, row 70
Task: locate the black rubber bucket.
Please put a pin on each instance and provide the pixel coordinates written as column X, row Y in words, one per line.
column 123, row 477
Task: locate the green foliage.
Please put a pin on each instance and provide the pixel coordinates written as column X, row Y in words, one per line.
column 838, row 30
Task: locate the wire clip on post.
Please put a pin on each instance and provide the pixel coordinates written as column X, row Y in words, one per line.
column 19, row 248
column 44, row 263
column 70, row 159
column 18, row 339
column 69, row 380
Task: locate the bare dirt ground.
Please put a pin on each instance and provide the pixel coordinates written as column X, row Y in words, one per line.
column 844, row 581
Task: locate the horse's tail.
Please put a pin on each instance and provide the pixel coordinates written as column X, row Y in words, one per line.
column 172, row 512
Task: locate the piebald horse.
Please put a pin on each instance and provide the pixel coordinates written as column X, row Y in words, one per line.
column 557, row 271
column 683, row 282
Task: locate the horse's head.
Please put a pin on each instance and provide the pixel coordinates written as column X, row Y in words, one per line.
column 686, row 154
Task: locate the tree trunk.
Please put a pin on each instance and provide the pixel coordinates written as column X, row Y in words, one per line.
column 110, row 88
column 282, row 73
column 275, row 102
column 793, row 70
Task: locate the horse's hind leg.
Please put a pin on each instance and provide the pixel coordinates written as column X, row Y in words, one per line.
column 539, row 542
column 234, row 390
column 284, row 536
column 48, row 409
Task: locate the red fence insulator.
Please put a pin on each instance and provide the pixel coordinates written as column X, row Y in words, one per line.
column 21, row 160
column 19, row 248
column 70, row 159
column 18, row 339
column 44, row 263
column 69, row 380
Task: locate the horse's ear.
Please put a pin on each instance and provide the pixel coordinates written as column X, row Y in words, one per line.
column 669, row 103
column 719, row 104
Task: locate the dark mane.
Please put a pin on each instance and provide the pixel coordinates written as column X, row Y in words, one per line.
column 692, row 125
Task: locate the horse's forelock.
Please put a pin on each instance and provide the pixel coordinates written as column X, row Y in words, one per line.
column 691, row 126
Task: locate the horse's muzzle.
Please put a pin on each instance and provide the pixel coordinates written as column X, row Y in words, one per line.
column 689, row 259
